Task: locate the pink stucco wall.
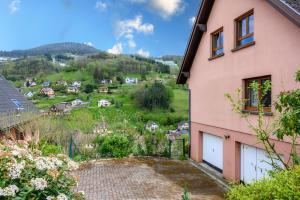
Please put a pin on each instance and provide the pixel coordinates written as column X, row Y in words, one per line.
column 276, row 52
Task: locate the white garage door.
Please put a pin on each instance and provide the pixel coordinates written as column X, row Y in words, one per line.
column 213, row 150
column 254, row 163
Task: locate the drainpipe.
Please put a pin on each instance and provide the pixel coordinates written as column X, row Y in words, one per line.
column 189, row 119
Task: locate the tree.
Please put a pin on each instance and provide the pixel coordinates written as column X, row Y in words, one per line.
column 89, row 88
column 120, row 78
column 155, row 96
column 287, row 124
column 96, row 74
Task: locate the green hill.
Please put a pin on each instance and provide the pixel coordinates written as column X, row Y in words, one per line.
column 56, row 48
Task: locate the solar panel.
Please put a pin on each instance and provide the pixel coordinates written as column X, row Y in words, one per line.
column 17, row 104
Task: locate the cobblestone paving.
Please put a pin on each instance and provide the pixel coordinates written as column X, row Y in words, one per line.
column 145, row 178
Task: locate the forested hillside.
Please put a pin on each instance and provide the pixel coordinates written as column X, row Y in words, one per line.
column 57, row 48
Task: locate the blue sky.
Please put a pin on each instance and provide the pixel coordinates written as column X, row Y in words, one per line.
column 145, row 27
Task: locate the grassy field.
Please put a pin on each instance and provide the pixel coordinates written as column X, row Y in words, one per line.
column 123, row 114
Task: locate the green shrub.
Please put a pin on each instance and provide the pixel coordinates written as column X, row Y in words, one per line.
column 138, row 150
column 156, row 144
column 80, row 158
column 281, row 185
column 116, row 145
column 50, row 149
column 154, row 96
column 185, row 195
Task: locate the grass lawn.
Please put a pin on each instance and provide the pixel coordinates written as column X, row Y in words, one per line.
column 126, row 116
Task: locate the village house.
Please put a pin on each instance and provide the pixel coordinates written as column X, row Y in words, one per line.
column 29, row 82
column 103, row 89
column 46, row 84
column 78, row 103
column 151, row 126
column 61, row 82
column 232, row 44
column 17, row 114
column 72, row 89
column 61, row 108
column 130, row 80
column 183, row 127
column 76, row 84
column 103, row 103
column 29, row 94
column 106, row 81
column 48, row 91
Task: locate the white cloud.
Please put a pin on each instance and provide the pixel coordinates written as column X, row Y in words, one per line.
column 192, row 20
column 130, row 39
column 143, row 53
column 131, row 44
column 130, row 26
column 100, row 5
column 116, row 49
column 88, row 44
column 167, row 8
column 14, row 6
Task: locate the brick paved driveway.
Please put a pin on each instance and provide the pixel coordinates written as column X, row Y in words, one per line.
column 145, row 178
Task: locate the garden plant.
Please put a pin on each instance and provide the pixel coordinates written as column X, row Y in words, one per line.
column 26, row 174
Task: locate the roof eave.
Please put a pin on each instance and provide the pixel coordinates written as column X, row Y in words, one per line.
column 202, row 17
column 292, row 14
column 194, row 40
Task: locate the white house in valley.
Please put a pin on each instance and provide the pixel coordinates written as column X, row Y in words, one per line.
column 130, row 80
column 103, row 103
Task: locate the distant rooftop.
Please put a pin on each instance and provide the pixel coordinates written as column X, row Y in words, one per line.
column 13, row 105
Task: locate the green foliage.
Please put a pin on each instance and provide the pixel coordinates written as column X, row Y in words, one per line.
column 156, row 144
column 288, row 105
column 185, row 195
column 116, row 145
column 50, row 149
column 21, row 69
column 89, row 88
column 281, row 185
column 59, row 88
column 155, row 96
column 138, row 150
column 298, row 76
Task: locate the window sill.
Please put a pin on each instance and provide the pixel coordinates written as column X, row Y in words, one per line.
column 243, row 46
column 253, row 112
column 217, row 56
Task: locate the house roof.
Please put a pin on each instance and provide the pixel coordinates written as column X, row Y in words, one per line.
column 289, row 8
column 12, row 102
column 294, row 4
column 60, row 106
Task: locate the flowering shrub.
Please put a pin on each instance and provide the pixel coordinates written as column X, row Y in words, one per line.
column 25, row 174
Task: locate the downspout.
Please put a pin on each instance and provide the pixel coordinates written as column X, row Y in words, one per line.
column 189, row 120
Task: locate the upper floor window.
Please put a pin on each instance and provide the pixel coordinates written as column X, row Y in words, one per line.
column 217, row 43
column 245, row 29
column 261, row 94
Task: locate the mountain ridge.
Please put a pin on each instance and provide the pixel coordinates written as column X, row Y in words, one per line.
column 53, row 48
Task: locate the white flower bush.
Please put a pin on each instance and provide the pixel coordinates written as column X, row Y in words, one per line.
column 25, row 174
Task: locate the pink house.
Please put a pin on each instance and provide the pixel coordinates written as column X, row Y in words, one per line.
column 232, row 43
